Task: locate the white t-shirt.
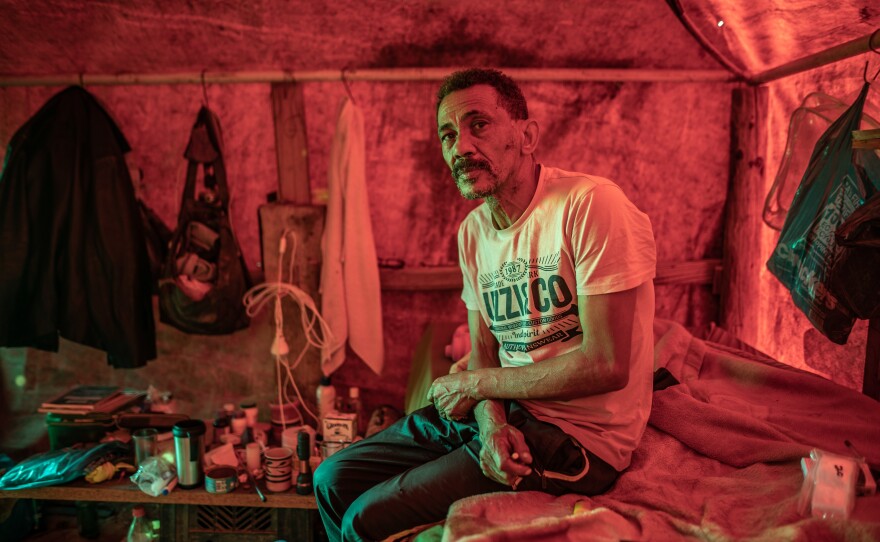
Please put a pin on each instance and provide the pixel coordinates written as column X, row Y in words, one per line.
column 580, row 235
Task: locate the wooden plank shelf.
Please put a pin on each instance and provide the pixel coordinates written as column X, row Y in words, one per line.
column 696, row 272
column 126, row 491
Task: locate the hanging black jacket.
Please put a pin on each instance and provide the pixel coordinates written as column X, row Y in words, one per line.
column 73, row 260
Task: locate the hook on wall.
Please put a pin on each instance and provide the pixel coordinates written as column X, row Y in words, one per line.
column 204, row 90
column 81, row 80
column 875, row 48
column 347, row 87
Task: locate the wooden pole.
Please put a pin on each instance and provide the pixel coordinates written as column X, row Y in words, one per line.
column 849, row 49
column 388, row 75
column 871, row 383
column 742, row 222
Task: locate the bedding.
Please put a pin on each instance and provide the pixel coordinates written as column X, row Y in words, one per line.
column 720, row 459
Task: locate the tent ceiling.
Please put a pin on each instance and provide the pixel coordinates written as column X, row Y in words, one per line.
column 44, row 37
column 762, row 34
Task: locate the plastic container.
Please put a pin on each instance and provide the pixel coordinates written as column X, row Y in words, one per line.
column 355, row 406
column 238, row 423
column 250, row 412
column 69, row 429
column 326, row 396
column 221, row 427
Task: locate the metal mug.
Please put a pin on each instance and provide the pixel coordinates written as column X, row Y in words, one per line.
column 146, row 444
column 189, row 452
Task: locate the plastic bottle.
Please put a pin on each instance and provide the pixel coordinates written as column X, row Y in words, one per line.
column 140, row 530
column 354, row 405
column 250, row 412
column 326, row 397
column 238, row 423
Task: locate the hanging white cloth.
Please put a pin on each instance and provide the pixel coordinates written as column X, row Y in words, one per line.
column 351, row 301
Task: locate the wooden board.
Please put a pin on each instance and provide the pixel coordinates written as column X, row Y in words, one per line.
column 291, row 146
column 449, row 278
column 866, row 139
column 871, row 383
column 126, row 491
column 306, row 226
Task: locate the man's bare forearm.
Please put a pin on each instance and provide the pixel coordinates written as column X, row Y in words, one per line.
column 489, row 413
column 599, row 365
column 564, row 377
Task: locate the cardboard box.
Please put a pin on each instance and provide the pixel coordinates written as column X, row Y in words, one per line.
column 340, row 426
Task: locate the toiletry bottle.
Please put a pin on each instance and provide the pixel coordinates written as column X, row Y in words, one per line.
column 354, row 405
column 326, row 396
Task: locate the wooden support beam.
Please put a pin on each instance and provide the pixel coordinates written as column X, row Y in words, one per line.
column 381, row 74
column 291, row 145
column 871, row 383
column 742, row 222
column 843, row 51
column 701, row 272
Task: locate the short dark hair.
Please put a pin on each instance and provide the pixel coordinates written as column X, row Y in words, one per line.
column 510, row 97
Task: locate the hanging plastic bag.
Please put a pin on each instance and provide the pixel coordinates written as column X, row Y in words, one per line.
column 835, row 184
column 807, row 124
column 204, row 277
column 855, row 275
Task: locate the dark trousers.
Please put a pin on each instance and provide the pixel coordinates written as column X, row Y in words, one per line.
column 410, row 473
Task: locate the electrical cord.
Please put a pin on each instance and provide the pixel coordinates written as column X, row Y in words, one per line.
column 315, row 330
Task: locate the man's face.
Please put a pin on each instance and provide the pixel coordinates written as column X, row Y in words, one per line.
column 479, row 141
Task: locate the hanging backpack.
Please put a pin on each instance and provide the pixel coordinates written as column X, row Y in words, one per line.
column 204, row 277
column 855, row 274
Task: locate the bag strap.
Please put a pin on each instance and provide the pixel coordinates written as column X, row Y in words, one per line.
column 205, row 148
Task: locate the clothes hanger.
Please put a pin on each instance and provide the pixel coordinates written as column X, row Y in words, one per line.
column 204, row 90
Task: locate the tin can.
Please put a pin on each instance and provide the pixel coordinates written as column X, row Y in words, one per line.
column 221, row 479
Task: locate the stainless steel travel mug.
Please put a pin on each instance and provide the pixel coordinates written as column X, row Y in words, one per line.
column 189, row 452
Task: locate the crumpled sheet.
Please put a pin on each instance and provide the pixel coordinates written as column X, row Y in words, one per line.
column 720, row 460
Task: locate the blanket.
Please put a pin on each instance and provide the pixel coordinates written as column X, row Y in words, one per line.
column 719, row 460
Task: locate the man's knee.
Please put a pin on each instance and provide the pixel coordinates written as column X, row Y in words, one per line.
column 363, row 519
column 326, row 475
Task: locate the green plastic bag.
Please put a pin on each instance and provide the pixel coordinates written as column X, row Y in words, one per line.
column 836, row 183
column 60, row 466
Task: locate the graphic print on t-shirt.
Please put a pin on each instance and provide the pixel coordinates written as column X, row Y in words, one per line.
column 530, row 304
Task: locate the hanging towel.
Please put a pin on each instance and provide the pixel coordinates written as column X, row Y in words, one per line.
column 351, row 301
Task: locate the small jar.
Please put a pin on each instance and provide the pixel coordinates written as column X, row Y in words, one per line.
column 221, row 427
column 250, row 412
column 239, row 423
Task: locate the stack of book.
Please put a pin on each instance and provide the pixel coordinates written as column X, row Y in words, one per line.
column 88, row 399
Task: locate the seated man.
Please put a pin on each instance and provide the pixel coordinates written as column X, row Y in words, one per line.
column 558, row 271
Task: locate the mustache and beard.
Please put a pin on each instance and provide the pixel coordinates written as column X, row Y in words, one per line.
column 466, row 186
